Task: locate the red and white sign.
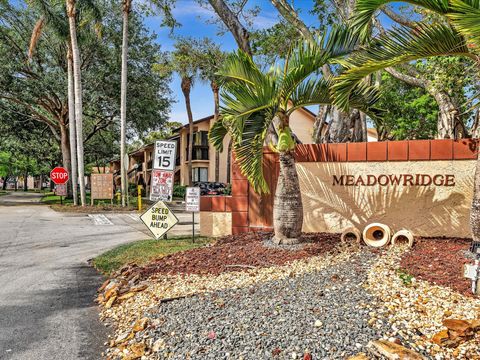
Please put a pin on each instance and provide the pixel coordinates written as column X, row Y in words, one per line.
column 161, row 187
column 59, row 175
column 61, row 190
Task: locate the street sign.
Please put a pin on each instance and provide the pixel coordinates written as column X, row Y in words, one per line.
column 164, row 155
column 61, row 190
column 192, row 199
column 59, row 175
column 159, row 219
column 102, row 186
column 161, row 187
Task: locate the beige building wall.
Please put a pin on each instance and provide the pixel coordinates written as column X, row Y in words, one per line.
column 424, row 210
column 301, row 123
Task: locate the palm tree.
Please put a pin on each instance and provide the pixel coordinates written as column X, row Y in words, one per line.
column 210, row 59
column 185, row 64
column 459, row 35
column 77, row 83
column 127, row 4
column 254, row 100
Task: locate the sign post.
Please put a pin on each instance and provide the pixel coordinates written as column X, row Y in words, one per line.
column 59, row 176
column 159, row 219
column 192, row 204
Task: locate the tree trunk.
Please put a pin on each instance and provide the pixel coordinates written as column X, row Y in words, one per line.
column 359, row 126
column 216, row 114
column 230, row 19
column 123, row 103
column 65, row 147
column 186, row 87
column 320, row 122
column 71, row 126
column 25, row 181
column 5, row 179
column 450, row 124
column 71, row 11
column 287, row 205
column 339, row 127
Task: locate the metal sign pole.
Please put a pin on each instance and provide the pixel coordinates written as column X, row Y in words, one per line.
column 193, row 226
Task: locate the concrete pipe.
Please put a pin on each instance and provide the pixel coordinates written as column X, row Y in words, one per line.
column 403, row 235
column 376, row 235
column 349, row 233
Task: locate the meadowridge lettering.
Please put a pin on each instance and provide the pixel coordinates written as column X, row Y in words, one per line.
column 394, row 179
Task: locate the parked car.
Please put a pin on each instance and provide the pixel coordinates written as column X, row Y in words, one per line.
column 211, row 188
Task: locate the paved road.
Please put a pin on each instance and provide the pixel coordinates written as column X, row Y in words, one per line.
column 46, row 286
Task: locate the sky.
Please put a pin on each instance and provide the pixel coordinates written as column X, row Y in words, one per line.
column 195, row 23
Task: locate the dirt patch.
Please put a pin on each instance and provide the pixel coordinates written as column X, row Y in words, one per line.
column 237, row 253
column 439, row 261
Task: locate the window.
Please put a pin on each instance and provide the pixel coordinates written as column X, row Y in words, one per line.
column 200, row 174
column 200, row 145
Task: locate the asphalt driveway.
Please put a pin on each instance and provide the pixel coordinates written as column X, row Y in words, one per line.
column 46, row 286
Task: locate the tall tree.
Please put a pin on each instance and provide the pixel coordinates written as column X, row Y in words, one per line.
column 459, row 35
column 210, row 59
column 77, row 85
column 126, row 7
column 254, row 100
column 184, row 61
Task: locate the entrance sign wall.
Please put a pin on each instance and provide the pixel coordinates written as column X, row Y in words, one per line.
column 425, row 186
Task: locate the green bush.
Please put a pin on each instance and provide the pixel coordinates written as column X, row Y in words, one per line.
column 228, row 190
column 179, row 191
column 133, row 190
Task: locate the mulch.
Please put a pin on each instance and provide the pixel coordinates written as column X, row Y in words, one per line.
column 239, row 252
column 439, row 261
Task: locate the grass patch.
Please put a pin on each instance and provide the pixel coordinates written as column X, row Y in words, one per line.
column 144, row 251
column 3, row 192
column 51, row 199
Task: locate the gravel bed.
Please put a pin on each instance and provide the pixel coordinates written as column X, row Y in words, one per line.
column 323, row 313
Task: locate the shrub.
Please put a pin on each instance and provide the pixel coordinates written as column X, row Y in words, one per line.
column 179, row 191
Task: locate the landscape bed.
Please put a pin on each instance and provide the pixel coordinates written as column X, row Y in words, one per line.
column 237, row 298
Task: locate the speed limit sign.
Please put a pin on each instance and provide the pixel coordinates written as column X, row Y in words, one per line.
column 164, row 155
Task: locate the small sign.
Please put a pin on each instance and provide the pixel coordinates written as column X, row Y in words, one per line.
column 161, row 185
column 102, row 186
column 59, row 175
column 192, row 199
column 159, row 219
column 164, row 155
column 61, row 190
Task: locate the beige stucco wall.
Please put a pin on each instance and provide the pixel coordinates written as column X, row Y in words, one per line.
column 214, row 224
column 301, row 123
column 425, row 210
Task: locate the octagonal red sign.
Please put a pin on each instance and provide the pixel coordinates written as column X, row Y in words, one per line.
column 59, row 175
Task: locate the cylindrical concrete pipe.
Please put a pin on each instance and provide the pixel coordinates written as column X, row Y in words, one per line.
column 351, row 232
column 403, row 234
column 376, row 235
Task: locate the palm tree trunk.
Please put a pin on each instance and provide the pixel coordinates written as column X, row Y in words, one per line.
column 186, row 87
column 287, row 205
column 71, row 127
column 65, row 146
column 216, row 114
column 78, row 97
column 123, row 102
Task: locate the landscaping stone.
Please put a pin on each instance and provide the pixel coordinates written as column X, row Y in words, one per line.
column 392, row 351
column 274, row 317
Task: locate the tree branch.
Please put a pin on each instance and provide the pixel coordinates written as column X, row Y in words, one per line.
column 398, row 18
column 233, row 24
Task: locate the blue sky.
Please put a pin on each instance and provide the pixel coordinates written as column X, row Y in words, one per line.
column 194, row 19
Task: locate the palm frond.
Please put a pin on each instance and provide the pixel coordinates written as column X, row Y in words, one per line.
column 311, row 92
column 395, row 47
column 466, row 18
column 217, row 133
column 248, row 141
column 36, row 33
column 365, row 10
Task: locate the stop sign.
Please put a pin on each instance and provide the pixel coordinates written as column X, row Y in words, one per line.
column 59, row 175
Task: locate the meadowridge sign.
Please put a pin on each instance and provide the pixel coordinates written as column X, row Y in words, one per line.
column 394, row 179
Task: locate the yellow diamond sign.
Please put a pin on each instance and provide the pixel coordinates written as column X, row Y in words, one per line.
column 159, row 219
